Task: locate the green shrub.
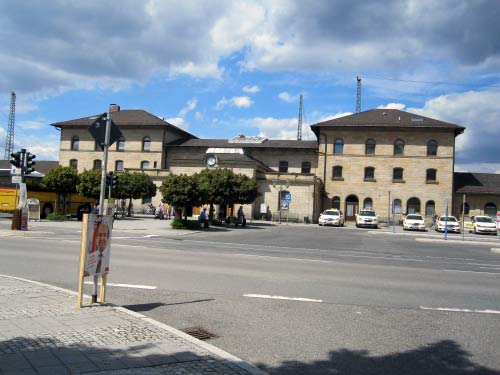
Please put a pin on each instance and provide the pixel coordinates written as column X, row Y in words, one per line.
column 186, row 224
column 56, row 217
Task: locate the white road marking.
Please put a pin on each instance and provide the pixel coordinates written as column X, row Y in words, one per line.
column 453, row 309
column 468, row 242
column 495, row 250
column 282, row 298
column 151, row 235
column 126, row 285
column 484, row 273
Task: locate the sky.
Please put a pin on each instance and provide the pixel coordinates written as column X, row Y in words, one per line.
column 222, row 68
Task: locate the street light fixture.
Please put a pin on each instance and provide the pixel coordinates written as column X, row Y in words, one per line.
column 281, row 185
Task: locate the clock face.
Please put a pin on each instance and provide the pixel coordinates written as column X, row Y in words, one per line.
column 211, row 160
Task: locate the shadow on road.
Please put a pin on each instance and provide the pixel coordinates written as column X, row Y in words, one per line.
column 441, row 358
column 151, row 306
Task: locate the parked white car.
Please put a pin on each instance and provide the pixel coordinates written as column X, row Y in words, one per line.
column 484, row 224
column 367, row 218
column 331, row 217
column 413, row 222
column 450, row 221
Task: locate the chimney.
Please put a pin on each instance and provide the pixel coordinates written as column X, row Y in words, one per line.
column 114, row 108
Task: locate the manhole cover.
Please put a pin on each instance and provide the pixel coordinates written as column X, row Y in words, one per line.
column 199, row 333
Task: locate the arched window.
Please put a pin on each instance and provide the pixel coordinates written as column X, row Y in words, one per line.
column 465, row 208
column 368, row 203
column 120, row 144
column 397, row 206
column 283, row 166
column 370, row 147
column 432, row 148
column 490, row 209
column 369, row 174
column 338, row 147
column 399, row 147
column 146, row 144
column 413, row 205
column 397, row 174
column 430, row 208
column 336, row 203
column 97, row 164
column 75, row 142
column 306, row 167
column 119, row 165
column 337, row 171
column 430, row 175
column 73, row 163
column 144, row 164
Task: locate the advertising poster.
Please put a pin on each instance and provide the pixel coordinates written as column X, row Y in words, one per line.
column 98, row 245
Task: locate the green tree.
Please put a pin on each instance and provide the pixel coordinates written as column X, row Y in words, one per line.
column 246, row 189
column 180, row 191
column 134, row 186
column 61, row 180
column 89, row 184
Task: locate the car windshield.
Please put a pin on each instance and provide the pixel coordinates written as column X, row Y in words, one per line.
column 484, row 220
column 414, row 217
column 331, row 213
column 448, row 218
column 367, row 213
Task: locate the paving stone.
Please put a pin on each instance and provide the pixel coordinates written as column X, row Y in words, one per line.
column 81, row 368
column 53, row 370
column 42, row 358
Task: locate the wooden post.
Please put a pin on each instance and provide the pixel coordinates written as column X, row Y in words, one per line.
column 83, row 249
column 102, row 291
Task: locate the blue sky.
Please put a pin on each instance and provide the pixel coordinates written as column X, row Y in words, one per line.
column 223, row 68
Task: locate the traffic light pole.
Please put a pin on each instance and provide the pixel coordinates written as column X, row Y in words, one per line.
column 103, row 189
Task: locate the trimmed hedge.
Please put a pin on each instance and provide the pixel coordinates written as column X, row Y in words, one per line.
column 57, row 217
column 185, row 224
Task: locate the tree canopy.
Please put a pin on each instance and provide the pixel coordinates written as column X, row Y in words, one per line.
column 89, row 184
column 134, row 186
column 180, row 191
column 61, row 180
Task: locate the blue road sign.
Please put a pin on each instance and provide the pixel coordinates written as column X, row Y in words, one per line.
column 288, row 198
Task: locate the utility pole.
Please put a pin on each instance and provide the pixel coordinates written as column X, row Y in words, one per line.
column 299, row 127
column 358, row 95
column 9, row 142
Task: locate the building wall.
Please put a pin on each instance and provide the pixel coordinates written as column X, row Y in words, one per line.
column 295, row 157
column 414, row 162
column 476, row 203
column 131, row 156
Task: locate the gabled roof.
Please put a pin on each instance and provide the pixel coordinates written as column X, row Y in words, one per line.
column 391, row 118
column 270, row 143
column 125, row 117
column 478, row 183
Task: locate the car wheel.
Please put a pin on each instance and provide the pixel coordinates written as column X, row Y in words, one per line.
column 320, row 224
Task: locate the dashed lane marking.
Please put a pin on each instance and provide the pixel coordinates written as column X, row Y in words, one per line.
column 150, row 287
column 282, row 298
column 453, row 309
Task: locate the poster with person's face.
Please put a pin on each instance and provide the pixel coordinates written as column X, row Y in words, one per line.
column 98, row 245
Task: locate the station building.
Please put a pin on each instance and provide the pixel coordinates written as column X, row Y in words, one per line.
column 384, row 159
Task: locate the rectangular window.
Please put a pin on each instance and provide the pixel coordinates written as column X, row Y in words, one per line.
column 369, row 173
column 397, row 174
column 306, row 167
column 431, row 175
column 283, row 168
column 73, row 163
column 337, row 172
column 119, row 165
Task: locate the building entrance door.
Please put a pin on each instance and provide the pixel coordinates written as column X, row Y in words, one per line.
column 351, row 207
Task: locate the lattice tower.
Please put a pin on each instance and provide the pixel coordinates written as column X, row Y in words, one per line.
column 299, row 127
column 9, row 142
column 358, row 96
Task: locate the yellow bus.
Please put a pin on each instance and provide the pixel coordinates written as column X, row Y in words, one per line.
column 68, row 203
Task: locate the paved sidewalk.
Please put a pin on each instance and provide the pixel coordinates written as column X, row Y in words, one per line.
column 43, row 332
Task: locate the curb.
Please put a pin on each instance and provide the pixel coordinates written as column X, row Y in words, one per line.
column 208, row 347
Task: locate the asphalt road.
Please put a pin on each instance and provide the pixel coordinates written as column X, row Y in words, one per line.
column 358, row 301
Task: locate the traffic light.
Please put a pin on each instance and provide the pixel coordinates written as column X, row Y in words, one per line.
column 111, row 180
column 29, row 163
column 17, row 159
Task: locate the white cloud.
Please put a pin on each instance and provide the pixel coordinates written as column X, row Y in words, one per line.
column 190, row 105
column 276, row 128
column 235, row 101
column 32, row 124
column 479, row 113
column 241, row 101
column 331, row 117
column 286, row 97
column 198, row 116
column 178, row 121
column 251, row 89
column 399, row 106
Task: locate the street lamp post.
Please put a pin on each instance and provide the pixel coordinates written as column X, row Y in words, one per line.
column 281, row 185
